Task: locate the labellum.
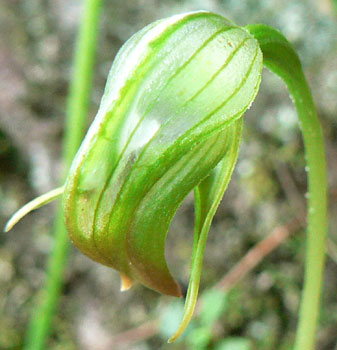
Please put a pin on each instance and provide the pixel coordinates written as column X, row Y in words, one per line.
column 169, row 122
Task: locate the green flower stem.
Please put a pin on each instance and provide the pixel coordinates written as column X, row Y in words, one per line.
column 317, row 214
column 280, row 57
column 76, row 121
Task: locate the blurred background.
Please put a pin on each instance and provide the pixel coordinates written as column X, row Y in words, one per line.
column 266, row 197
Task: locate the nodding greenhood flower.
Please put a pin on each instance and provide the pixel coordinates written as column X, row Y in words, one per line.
column 170, row 122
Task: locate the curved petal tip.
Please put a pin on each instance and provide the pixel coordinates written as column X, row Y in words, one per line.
column 126, row 282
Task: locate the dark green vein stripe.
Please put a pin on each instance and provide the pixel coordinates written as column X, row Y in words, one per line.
column 167, row 177
column 235, row 91
column 229, row 59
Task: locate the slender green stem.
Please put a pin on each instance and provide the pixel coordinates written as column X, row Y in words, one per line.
column 317, row 215
column 76, row 119
column 280, row 57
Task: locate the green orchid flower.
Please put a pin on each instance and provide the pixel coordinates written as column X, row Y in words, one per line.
column 170, row 122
